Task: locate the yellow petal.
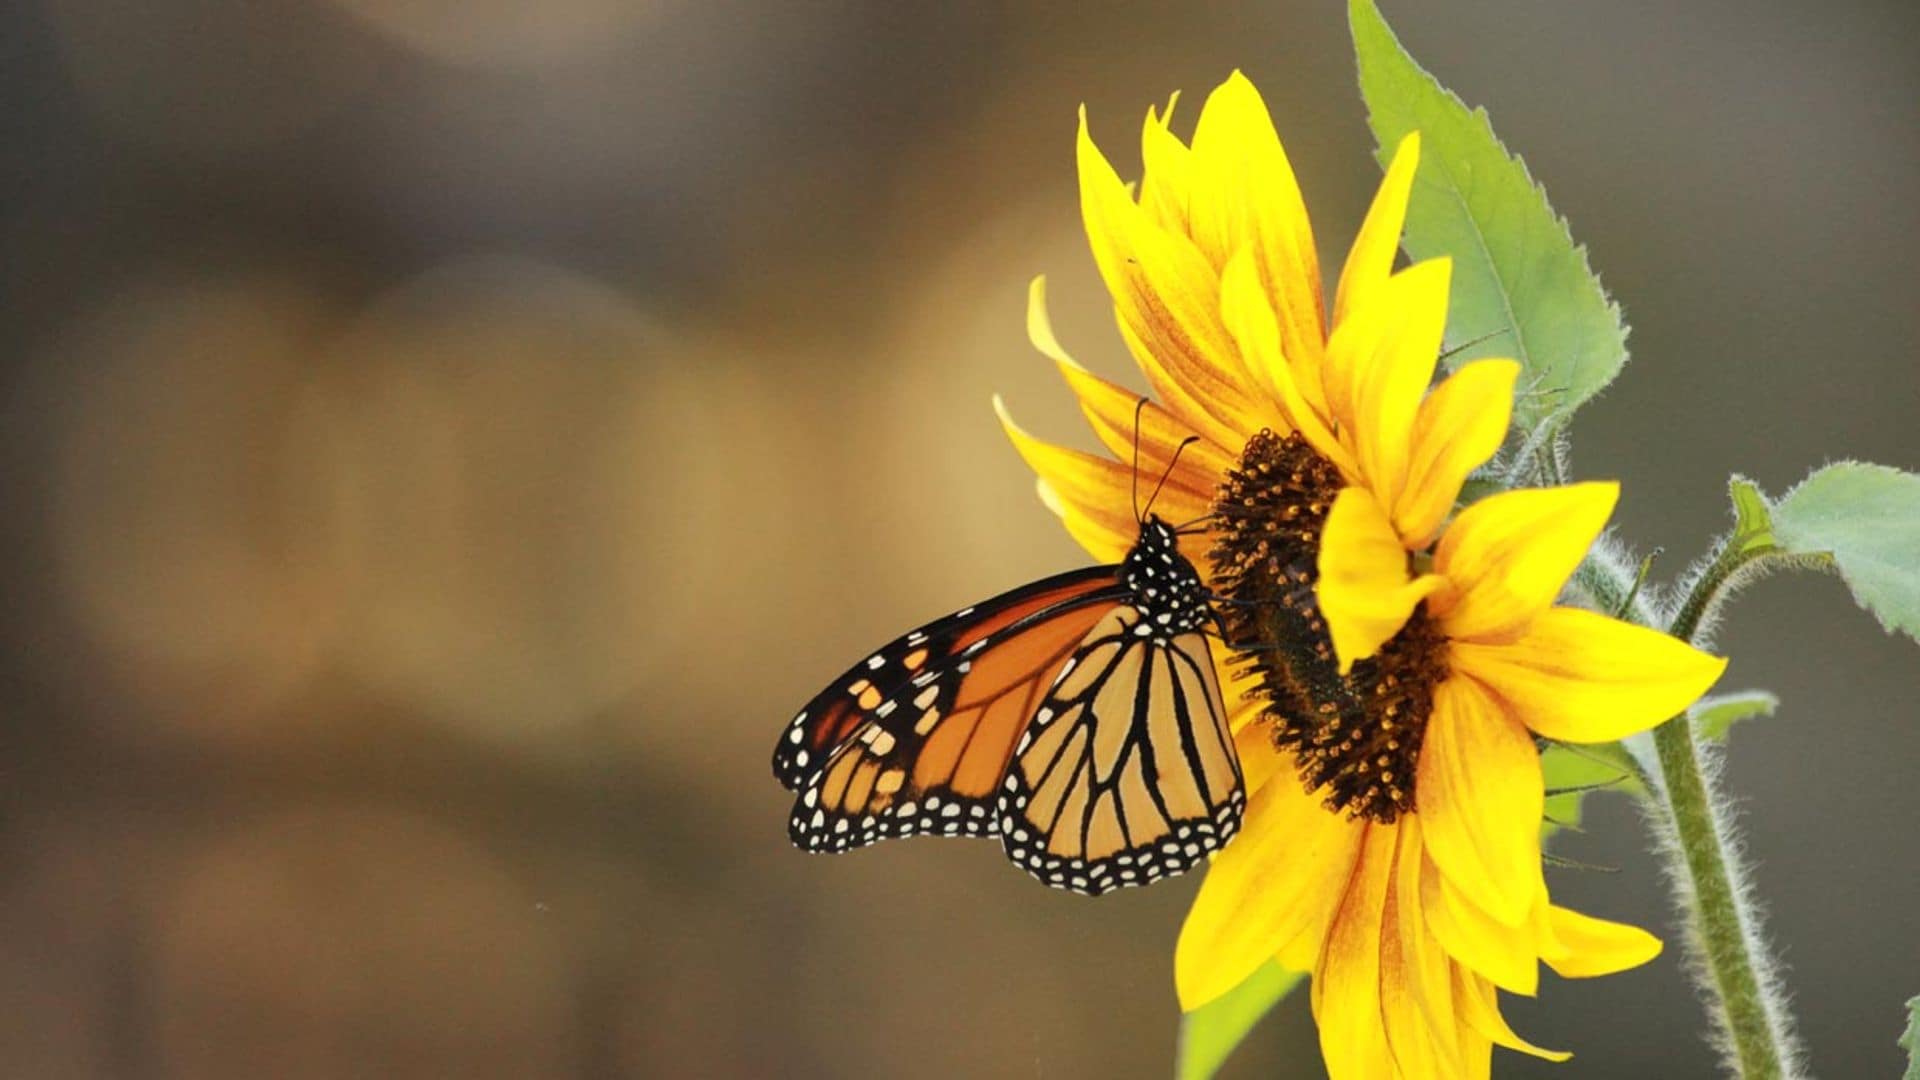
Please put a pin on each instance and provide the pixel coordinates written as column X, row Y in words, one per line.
column 1458, row 428
column 1111, row 410
column 1580, row 946
column 1379, row 364
column 1112, row 219
column 1508, row 555
column 1364, row 592
column 1503, row 953
column 1246, row 704
column 1260, row 760
column 1481, row 797
column 1087, row 490
column 1165, row 165
column 1424, row 965
column 1479, row 1008
column 1346, row 983
column 1582, row 677
column 1370, row 261
column 1243, row 194
column 1109, row 540
column 1281, row 878
column 1300, row 954
column 1415, row 1046
column 1476, row 1054
column 1104, row 541
column 1249, row 316
column 1167, row 299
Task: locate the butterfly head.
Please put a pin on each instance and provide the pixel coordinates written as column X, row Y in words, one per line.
column 1157, row 536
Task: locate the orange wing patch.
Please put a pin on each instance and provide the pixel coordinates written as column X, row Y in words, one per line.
column 838, row 713
column 928, row 754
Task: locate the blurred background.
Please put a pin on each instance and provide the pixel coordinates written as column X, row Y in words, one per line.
column 444, row 442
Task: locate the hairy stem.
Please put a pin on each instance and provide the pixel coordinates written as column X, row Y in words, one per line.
column 1722, row 922
column 1734, row 971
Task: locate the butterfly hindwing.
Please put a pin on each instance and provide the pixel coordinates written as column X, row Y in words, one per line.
column 924, row 750
column 1128, row 773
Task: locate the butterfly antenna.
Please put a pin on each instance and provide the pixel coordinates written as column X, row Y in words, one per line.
column 1188, row 526
column 1184, row 443
column 1138, row 407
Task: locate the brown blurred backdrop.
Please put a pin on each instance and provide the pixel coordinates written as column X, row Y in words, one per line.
column 443, row 442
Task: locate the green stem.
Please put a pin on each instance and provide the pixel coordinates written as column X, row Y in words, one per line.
column 1737, row 969
column 1717, row 909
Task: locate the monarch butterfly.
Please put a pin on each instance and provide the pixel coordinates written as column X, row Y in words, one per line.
column 1078, row 719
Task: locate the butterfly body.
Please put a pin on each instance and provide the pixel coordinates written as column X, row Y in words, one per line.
column 1163, row 585
column 1077, row 719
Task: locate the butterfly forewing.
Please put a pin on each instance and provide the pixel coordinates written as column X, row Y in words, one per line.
column 926, row 754
column 928, row 654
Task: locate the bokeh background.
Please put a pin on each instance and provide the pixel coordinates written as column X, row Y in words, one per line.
column 443, row 442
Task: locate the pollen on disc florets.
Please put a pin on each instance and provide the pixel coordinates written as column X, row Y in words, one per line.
column 1356, row 737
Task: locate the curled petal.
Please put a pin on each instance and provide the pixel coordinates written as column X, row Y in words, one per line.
column 1578, row 946
column 1478, row 1006
column 1508, row 555
column 1458, row 428
column 1364, row 593
column 1279, row 881
column 1481, row 797
column 1582, row 677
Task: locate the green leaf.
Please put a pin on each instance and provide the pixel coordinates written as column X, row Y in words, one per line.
column 1910, row 1042
column 1752, row 518
column 1573, row 772
column 1861, row 521
column 1712, row 716
column 1210, row 1033
column 1517, row 274
column 1868, row 517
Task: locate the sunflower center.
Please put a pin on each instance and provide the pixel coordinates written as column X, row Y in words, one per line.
column 1355, row 736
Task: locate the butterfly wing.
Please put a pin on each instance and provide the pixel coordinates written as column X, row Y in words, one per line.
column 916, row 738
column 1128, row 772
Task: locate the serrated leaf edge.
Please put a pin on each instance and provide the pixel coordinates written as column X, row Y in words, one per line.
column 1559, row 220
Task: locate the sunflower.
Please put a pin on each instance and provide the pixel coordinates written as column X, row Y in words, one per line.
column 1396, row 667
